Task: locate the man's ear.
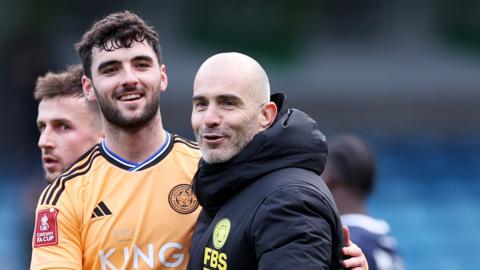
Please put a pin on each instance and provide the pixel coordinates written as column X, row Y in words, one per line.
column 163, row 78
column 268, row 114
column 88, row 89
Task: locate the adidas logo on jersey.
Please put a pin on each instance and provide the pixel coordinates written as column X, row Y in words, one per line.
column 101, row 210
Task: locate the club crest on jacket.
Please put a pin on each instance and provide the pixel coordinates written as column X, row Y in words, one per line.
column 220, row 233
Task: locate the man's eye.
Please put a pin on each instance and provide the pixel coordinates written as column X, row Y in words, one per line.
column 109, row 70
column 228, row 104
column 41, row 128
column 200, row 105
column 143, row 65
column 64, row 127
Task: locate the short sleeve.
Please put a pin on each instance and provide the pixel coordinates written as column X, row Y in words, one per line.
column 56, row 242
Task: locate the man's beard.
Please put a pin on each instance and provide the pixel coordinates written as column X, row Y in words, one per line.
column 114, row 116
column 239, row 140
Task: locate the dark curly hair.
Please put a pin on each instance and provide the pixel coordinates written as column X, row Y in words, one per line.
column 117, row 30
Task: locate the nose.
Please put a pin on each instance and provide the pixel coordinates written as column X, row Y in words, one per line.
column 212, row 117
column 45, row 140
column 129, row 77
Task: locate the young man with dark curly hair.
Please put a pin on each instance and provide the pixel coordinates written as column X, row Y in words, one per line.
column 126, row 203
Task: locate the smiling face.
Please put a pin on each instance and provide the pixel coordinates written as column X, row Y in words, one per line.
column 230, row 105
column 223, row 119
column 127, row 83
column 68, row 128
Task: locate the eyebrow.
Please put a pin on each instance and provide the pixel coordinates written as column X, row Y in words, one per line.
column 228, row 97
column 198, row 97
column 54, row 121
column 143, row 57
column 220, row 97
column 115, row 62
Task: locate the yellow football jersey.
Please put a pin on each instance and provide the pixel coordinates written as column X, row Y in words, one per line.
column 108, row 213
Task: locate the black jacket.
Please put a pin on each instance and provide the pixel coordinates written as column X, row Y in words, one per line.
column 267, row 207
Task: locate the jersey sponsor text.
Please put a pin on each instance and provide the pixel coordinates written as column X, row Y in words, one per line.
column 147, row 256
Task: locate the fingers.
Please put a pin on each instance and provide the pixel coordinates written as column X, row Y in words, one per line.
column 346, row 233
column 352, row 250
column 356, row 263
column 357, row 260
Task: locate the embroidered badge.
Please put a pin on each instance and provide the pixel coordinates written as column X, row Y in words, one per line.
column 220, row 233
column 182, row 199
column 46, row 231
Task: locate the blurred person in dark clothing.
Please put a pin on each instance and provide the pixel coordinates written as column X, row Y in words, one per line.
column 264, row 203
column 69, row 124
column 350, row 175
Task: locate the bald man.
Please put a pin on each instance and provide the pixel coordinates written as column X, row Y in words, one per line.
column 264, row 203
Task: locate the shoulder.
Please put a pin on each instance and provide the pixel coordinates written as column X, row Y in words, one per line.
column 291, row 182
column 366, row 223
column 185, row 147
column 300, row 189
column 369, row 233
column 301, row 198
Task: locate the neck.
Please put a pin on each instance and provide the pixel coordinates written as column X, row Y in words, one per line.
column 135, row 145
column 348, row 202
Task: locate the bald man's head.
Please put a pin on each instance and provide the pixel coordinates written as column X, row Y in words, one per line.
column 231, row 105
column 237, row 68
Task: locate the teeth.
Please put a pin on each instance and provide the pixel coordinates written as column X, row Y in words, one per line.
column 129, row 97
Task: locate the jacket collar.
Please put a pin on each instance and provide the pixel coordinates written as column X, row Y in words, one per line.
column 293, row 140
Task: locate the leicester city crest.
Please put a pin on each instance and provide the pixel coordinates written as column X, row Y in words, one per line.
column 220, row 233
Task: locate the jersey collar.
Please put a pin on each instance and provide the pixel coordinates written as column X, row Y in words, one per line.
column 118, row 161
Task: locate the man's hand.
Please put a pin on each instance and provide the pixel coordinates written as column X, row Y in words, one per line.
column 357, row 260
